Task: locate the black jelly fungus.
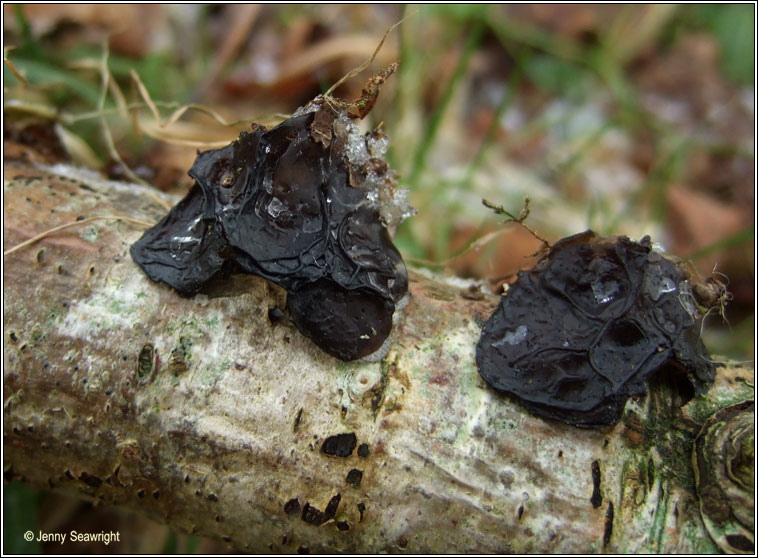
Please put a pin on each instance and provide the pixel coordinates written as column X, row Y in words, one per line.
column 597, row 497
column 292, row 507
column 183, row 250
column 608, row 528
column 354, row 477
column 297, row 206
column 339, row 445
column 90, row 480
column 363, row 450
column 582, row 331
column 312, row 515
column 354, row 323
column 331, row 508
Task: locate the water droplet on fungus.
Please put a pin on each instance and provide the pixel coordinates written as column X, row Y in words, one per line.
column 307, row 205
column 599, row 317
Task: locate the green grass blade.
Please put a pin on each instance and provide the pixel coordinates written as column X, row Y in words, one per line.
column 20, row 506
column 422, row 151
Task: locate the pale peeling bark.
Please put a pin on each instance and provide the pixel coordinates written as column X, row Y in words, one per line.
column 227, row 428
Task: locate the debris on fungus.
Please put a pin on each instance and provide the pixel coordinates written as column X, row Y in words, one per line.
column 582, row 331
column 308, row 205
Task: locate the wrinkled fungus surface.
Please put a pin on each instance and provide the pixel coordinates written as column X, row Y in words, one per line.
column 308, row 205
column 583, row 330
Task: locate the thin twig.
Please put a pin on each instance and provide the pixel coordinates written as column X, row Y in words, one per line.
column 475, row 245
column 179, row 112
column 54, row 230
column 106, row 77
column 355, row 71
column 145, row 94
column 489, row 237
column 12, row 67
column 500, row 210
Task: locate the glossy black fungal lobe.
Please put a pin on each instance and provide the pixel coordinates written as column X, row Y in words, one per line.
column 583, row 330
column 608, row 528
column 339, row 445
column 324, row 311
column 312, row 515
column 597, row 497
column 331, row 508
column 292, row 507
column 354, row 477
column 307, row 205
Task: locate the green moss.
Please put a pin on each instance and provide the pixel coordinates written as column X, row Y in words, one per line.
column 54, row 313
column 189, row 325
column 38, row 335
column 90, row 234
column 716, row 399
column 211, row 322
column 119, row 307
column 675, row 447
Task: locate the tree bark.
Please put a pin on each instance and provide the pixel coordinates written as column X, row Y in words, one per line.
column 204, row 413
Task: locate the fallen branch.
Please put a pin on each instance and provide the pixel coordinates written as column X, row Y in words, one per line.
column 209, row 414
